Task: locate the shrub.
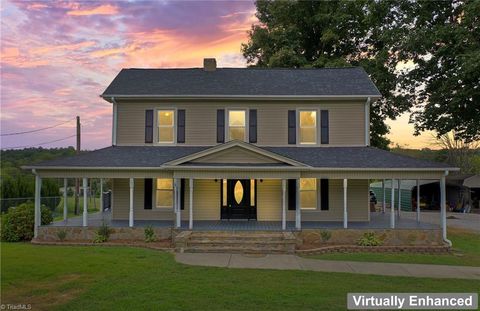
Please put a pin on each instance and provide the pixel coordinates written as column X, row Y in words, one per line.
column 102, row 234
column 19, row 222
column 369, row 239
column 62, row 234
column 149, row 234
column 325, row 235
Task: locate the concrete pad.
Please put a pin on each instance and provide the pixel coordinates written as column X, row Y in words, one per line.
column 282, row 262
column 324, row 265
column 203, row 259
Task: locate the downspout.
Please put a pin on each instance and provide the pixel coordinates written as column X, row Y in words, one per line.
column 114, row 122
column 367, row 122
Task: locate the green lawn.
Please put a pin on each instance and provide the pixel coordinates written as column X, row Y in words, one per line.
column 466, row 246
column 122, row 278
column 93, row 206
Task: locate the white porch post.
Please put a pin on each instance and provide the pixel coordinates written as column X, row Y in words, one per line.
column 392, row 206
column 284, row 209
column 38, row 211
column 85, row 201
column 101, row 194
column 418, row 200
column 298, row 212
column 443, row 209
column 65, row 205
column 190, row 219
column 130, row 214
column 178, row 208
column 399, row 196
column 345, row 215
column 383, row 200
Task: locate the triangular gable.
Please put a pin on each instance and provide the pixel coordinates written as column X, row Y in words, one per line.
column 235, row 152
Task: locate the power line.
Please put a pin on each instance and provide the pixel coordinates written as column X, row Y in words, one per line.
column 37, row 130
column 41, row 144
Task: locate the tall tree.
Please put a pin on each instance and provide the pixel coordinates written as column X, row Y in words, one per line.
column 381, row 36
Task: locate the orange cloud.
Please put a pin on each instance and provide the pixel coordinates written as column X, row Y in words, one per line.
column 106, row 9
column 62, row 47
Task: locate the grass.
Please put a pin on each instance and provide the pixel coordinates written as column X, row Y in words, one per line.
column 122, row 278
column 92, row 202
column 466, row 246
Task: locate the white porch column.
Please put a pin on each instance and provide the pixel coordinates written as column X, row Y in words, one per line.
column 38, row 211
column 178, row 208
column 443, row 209
column 392, row 206
column 130, row 214
column 65, row 205
column 383, row 200
column 418, row 200
column 298, row 212
column 399, row 196
column 101, row 194
column 284, row 208
column 345, row 215
column 85, row 202
column 190, row 219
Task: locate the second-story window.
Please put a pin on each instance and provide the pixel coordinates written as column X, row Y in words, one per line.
column 308, row 127
column 166, row 126
column 236, row 124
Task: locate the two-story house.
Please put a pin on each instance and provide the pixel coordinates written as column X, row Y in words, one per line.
column 287, row 147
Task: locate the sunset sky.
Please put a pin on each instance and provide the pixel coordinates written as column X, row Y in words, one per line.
column 57, row 57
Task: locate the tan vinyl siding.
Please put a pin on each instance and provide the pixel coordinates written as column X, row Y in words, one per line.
column 269, row 200
column 206, row 200
column 235, row 155
column 346, row 120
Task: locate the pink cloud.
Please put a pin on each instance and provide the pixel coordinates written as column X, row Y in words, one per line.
column 99, row 10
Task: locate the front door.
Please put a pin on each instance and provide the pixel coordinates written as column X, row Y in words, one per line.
column 238, row 199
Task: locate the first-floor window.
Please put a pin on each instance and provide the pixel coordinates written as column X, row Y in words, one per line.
column 164, row 193
column 308, row 193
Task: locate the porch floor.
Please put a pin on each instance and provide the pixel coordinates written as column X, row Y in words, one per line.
column 378, row 220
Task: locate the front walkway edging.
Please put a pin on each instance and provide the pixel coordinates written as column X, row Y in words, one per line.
column 425, row 249
column 108, row 244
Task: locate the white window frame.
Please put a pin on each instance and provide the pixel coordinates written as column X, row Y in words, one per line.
column 299, row 143
column 155, row 189
column 316, row 197
column 157, row 126
column 227, row 123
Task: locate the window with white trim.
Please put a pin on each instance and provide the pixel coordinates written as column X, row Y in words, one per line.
column 166, row 126
column 308, row 127
column 236, row 124
column 308, row 193
column 164, row 193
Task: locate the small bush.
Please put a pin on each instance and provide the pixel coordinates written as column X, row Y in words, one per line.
column 102, row 234
column 149, row 234
column 62, row 234
column 325, row 235
column 369, row 239
column 19, row 222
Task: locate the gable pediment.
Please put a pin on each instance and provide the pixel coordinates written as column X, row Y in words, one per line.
column 236, row 155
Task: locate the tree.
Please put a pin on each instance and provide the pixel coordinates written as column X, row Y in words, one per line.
column 459, row 153
column 439, row 39
column 331, row 34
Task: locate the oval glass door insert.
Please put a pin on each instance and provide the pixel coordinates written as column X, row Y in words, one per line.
column 238, row 191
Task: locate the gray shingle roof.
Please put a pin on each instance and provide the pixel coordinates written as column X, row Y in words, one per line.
column 348, row 81
column 321, row 157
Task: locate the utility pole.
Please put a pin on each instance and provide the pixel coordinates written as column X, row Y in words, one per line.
column 77, row 181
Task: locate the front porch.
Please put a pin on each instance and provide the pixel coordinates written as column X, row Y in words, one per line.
column 378, row 220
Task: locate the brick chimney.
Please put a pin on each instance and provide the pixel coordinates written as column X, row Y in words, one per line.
column 209, row 64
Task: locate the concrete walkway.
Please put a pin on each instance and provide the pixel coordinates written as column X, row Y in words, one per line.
column 292, row 262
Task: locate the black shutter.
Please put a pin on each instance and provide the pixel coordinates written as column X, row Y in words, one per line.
column 252, row 132
column 182, row 193
column 324, row 127
column 324, row 194
column 292, row 127
column 292, row 194
column 181, row 126
column 148, row 188
column 149, row 126
column 220, row 126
